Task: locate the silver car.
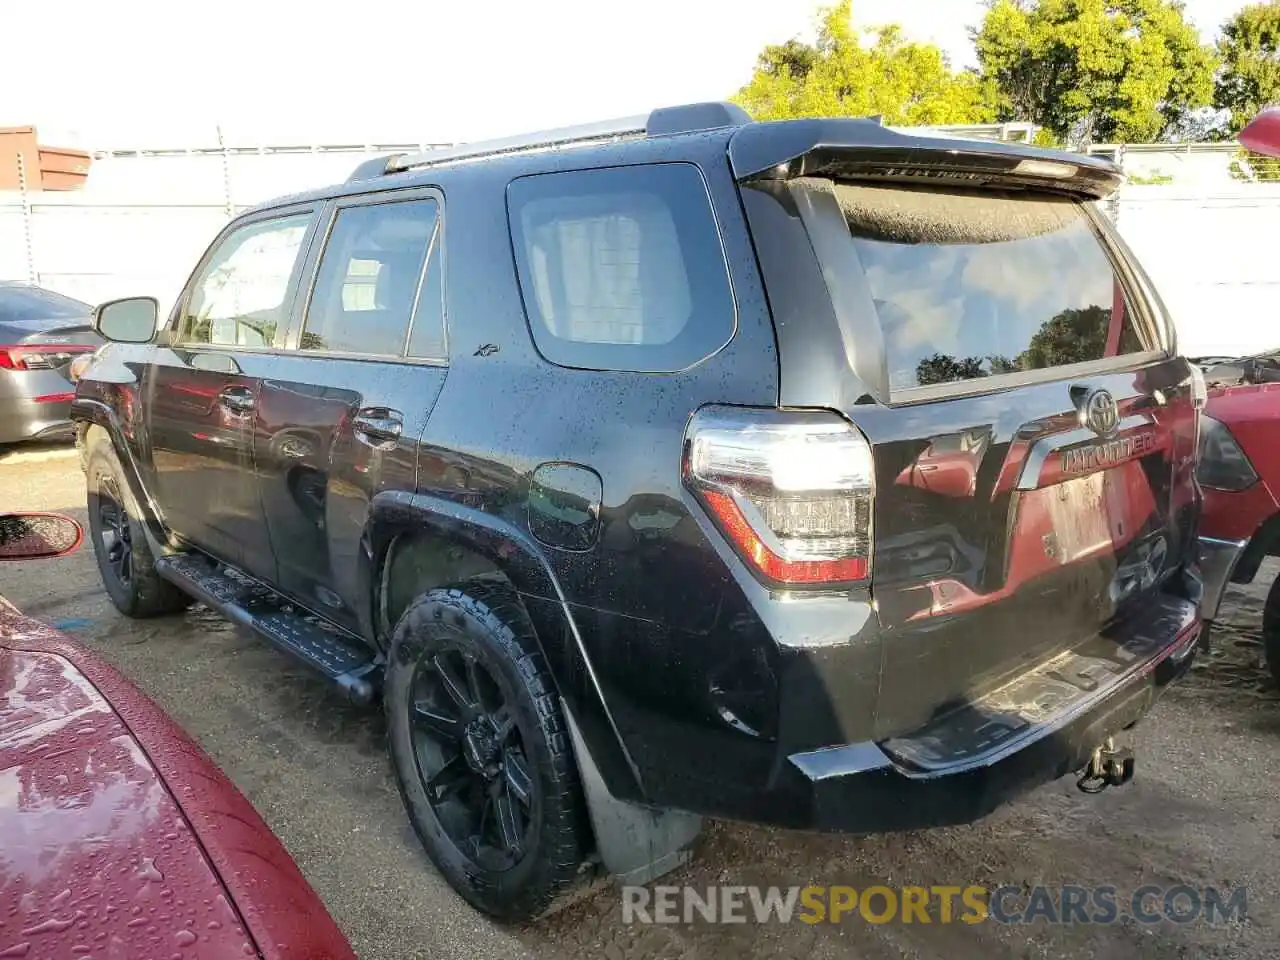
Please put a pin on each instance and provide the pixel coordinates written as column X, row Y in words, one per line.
column 41, row 333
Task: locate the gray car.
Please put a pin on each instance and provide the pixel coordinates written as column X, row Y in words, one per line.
column 41, row 332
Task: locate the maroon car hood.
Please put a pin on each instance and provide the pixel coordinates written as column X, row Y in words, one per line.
column 118, row 837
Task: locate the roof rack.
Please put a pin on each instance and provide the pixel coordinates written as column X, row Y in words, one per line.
column 665, row 121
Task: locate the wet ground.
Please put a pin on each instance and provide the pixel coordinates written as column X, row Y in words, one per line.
column 1204, row 809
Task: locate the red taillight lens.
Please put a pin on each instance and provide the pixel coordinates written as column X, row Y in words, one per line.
column 791, row 490
column 40, row 356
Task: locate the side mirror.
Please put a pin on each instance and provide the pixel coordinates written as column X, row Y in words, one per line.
column 37, row 536
column 130, row 320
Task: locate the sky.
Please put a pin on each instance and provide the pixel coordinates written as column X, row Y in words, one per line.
column 141, row 73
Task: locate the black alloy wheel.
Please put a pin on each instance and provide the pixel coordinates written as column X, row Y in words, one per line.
column 119, row 537
column 482, row 750
column 471, row 758
column 115, row 532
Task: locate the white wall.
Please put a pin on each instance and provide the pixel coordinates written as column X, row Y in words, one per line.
column 142, row 221
column 1215, row 258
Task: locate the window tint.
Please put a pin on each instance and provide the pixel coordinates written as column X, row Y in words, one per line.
column 239, row 298
column 621, row 268
column 369, row 278
column 975, row 284
column 27, row 305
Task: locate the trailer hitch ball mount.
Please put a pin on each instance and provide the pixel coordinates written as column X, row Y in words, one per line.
column 1109, row 766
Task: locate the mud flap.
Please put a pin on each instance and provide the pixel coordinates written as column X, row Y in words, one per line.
column 636, row 844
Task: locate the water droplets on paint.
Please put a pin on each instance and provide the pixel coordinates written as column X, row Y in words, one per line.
column 52, row 925
column 148, row 871
column 184, row 938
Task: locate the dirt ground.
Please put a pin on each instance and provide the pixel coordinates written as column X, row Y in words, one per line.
column 1203, row 809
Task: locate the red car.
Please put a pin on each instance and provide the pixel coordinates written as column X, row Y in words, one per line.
column 119, row 838
column 1240, row 457
column 1240, row 477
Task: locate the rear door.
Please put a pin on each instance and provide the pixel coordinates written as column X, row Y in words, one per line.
column 203, row 386
column 338, row 419
column 1033, row 434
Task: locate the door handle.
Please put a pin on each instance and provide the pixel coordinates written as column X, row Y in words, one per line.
column 237, row 399
column 378, row 427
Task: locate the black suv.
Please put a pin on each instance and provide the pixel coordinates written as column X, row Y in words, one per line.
column 808, row 473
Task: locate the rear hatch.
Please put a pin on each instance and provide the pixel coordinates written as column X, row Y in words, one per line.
column 1033, row 433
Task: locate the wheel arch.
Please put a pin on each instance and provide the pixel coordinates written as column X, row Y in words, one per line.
column 95, row 418
column 411, row 533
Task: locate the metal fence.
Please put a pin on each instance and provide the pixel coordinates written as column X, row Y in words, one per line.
column 145, row 216
column 1200, row 216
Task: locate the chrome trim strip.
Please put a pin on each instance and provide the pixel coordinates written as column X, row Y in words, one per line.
column 1025, row 378
column 1038, row 455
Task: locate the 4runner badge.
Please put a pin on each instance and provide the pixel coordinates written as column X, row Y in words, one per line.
column 1100, row 413
column 1099, row 456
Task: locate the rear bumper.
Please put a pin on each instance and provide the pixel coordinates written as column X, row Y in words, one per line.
column 23, row 419
column 1042, row 726
column 34, row 405
column 1218, row 559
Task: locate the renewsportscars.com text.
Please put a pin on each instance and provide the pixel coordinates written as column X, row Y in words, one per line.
column 1066, row 904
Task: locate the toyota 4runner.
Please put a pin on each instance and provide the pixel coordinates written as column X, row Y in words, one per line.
column 808, row 473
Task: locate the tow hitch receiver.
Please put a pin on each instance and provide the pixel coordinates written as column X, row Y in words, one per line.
column 1108, row 767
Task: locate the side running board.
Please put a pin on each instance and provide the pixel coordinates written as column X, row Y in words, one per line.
column 341, row 657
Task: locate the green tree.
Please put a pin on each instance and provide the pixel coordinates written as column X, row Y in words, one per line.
column 1073, row 336
column 840, row 75
column 1095, row 70
column 941, row 368
column 1250, row 52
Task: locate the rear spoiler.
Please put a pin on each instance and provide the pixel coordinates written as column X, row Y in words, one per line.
column 862, row 149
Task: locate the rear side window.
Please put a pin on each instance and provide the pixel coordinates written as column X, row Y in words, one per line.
column 976, row 284
column 368, row 284
column 621, row 268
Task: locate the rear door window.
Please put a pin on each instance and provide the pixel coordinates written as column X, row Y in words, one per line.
column 621, row 268
column 369, row 280
column 969, row 284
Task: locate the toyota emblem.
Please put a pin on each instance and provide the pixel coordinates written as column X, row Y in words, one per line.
column 1099, row 412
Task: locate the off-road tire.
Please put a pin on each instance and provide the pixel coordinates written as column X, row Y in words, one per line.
column 1271, row 630
column 146, row 593
column 486, row 619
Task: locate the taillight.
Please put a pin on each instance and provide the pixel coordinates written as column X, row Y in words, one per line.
column 40, row 356
column 1221, row 463
column 791, row 490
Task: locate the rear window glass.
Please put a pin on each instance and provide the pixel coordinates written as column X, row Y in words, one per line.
column 621, row 268
column 976, row 284
column 30, row 304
